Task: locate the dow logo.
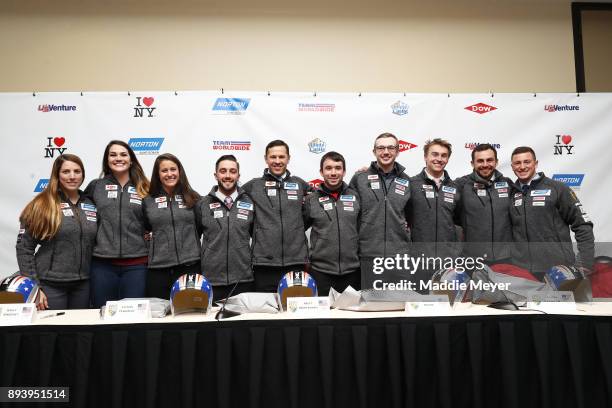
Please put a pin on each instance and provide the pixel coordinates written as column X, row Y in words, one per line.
column 316, row 183
column 480, row 108
column 41, row 185
column 404, row 146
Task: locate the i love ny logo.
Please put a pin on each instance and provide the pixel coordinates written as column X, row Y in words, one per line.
column 55, row 145
column 144, row 107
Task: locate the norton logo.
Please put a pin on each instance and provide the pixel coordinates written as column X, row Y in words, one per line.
column 563, row 145
column 41, row 185
column 144, row 107
column 403, row 146
column 146, row 145
column 316, row 183
column 571, row 180
column 56, row 108
column 480, row 108
column 54, row 145
column 399, row 108
column 231, row 106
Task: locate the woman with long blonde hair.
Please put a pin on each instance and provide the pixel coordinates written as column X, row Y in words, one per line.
column 57, row 236
column 119, row 265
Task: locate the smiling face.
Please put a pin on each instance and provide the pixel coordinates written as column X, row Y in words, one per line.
column 70, row 177
column 169, row 174
column 227, row 176
column 524, row 166
column 277, row 160
column 484, row 163
column 119, row 160
column 436, row 159
column 332, row 173
column 386, row 151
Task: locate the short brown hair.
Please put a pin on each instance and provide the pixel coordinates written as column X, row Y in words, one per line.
column 439, row 142
column 384, row 135
column 523, row 149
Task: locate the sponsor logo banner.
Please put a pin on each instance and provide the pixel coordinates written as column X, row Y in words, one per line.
column 316, row 107
column 144, row 107
column 561, row 108
column 562, row 145
column 404, row 146
column 480, row 108
column 399, row 108
column 146, row 145
column 316, row 146
column 473, row 145
column 571, row 180
column 55, row 145
column 231, row 145
column 41, row 185
column 231, row 106
column 56, row 108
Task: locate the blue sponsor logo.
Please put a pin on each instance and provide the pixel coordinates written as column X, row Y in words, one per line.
column 236, row 106
column 399, row 108
column 571, row 180
column 146, row 145
column 41, row 185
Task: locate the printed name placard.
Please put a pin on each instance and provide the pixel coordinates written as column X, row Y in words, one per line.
column 16, row 314
column 308, row 306
column 127, row 310
column 560, row 302
column 429, row 305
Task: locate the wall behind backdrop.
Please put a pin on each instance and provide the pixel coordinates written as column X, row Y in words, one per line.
column 338, row 45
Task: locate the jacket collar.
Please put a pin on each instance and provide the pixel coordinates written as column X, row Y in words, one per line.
column 397, row 169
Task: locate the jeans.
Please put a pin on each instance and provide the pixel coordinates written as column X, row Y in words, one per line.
column 115, row 282
column 66, row 295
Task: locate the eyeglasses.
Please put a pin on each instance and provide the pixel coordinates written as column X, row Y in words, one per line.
column 391, row 148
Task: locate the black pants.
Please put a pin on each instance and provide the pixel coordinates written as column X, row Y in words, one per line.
column 66, row 295
column 325, row 281
column 160, row 280
column 267, row 277
column 222, row 291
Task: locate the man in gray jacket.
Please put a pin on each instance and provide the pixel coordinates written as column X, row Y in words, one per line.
column 279, row 242
column 542, row 212
column 225, row 218
column 484, row 208
column 332, row 213
column 433, row 209
column 384, row 193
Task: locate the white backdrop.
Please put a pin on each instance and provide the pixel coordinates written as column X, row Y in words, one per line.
column 569, row 133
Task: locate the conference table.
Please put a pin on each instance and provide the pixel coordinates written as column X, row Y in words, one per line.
column 472, row 356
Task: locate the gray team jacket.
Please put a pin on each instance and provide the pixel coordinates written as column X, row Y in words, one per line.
column 279, row 238
column 485, row 216
column 541, row 222
column 383, row 224
column 226, row 235
column 334, row 237
column 175, row 239
column 433, row 215
column 120, row 219
column 67, row 256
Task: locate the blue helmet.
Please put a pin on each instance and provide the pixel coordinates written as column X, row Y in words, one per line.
column 18, row 289
column 557, row 275
column 190, row 293
column 296, row 284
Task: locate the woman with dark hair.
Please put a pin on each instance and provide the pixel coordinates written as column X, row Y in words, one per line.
column 62, row 222
column 169, row 213
column 119, row 266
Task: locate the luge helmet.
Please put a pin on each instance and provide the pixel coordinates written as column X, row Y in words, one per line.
column 18, row 289
column 190, row 293
column 296, row 284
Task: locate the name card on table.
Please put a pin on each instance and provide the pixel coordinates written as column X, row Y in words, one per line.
column 16, row 314
column 560, row 302
column 127, row 310
column 308, row 306
column 429, row 305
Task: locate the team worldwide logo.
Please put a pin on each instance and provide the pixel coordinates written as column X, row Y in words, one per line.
column 231, row 145
column 316, row 107
column 480, row 108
